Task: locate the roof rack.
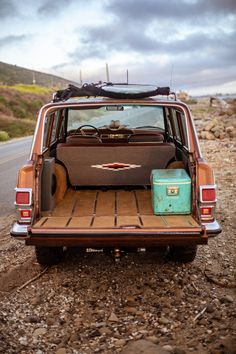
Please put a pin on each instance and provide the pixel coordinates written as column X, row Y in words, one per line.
column 111, row 90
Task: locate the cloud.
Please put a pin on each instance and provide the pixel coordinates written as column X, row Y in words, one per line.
column 200, row 45
column 7, row 8
column 146, row 36
column 140, row 10
column 52, row 7
column 98, row 42
column 8, row 40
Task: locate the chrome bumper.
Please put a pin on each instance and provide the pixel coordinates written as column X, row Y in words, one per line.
column 19, row 231
column 212, row 228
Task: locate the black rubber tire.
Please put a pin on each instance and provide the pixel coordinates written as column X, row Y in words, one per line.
column 157, row 249
column 182, row 254
column 48, row 256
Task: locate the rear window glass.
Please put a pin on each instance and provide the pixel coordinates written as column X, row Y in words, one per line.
column 130, row 116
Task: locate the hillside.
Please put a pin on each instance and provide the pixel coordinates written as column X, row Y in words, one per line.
column 13, row 74
column 22, row 93
column 19, row 106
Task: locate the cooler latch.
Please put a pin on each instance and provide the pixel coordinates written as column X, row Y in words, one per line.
column 172, row 190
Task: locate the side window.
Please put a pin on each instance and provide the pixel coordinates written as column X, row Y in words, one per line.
column 61, row 127
column 169, row 128
column 54, row 127
column 176, row 125
column 46, row 131
column 182, row 126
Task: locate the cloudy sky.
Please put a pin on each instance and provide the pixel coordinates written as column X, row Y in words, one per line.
column 191, row 41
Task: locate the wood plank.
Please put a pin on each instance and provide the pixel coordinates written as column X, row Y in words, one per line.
column 152, row 221
column 105, row 203
column 40, row 222
column 144, row 198
column 191, row 221
column 179, row 221
column 65, row 207
column 128, row 220
column 126, row 203
column 104, row 221
column 85, row 203
column 56, row 222
column 82, row 221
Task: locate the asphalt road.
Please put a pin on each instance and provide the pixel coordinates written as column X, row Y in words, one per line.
column 13, row 154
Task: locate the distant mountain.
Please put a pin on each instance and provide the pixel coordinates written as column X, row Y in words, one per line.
column 13, row 74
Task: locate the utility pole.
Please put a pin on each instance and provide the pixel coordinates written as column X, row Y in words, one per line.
column 33, row 81
column 107, row 73
column 80, row 77
column 171, row 75
column 127, row 76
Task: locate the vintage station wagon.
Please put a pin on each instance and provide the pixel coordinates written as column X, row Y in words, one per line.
column 115, row 167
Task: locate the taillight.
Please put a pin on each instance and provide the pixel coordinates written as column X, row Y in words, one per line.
column 23, row 204
column 25, row 216
column 23, row 196
column 207, row 213
column 208, row 193
column 207, row 202
column 25, row 213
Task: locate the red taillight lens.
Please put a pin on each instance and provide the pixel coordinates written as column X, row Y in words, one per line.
column 207, row 213
column 208, row 195
column 25, row 214
column 22, row 198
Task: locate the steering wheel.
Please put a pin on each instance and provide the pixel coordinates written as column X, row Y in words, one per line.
column 80, row 130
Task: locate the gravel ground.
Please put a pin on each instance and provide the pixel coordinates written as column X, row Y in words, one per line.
column 143, row 304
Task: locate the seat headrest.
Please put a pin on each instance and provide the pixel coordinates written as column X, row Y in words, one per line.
column 82, row 139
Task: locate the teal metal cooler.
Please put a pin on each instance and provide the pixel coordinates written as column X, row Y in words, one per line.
column 171, row 191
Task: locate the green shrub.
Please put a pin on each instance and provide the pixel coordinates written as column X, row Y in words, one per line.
column 40, row 90
column 192, row 101
column 5, row 110
column 17, row 127
column 3, row 100
column 3, row 135
column 21, row 128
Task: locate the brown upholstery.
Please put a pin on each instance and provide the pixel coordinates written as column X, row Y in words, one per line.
column 82, row 140
column 84, row 163
column 176, row 165
column 146, row 138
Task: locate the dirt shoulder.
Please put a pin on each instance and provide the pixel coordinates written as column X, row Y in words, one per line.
column 90, row 304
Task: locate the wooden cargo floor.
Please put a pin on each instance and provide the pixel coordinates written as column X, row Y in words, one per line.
column 109, row 209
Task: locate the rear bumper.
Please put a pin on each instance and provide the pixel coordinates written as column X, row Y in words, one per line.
column 101, row 239
column 19, row 231
column 112, row 239
column 212, row 228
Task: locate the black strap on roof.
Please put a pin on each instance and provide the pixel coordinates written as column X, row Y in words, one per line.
column 98, row 90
